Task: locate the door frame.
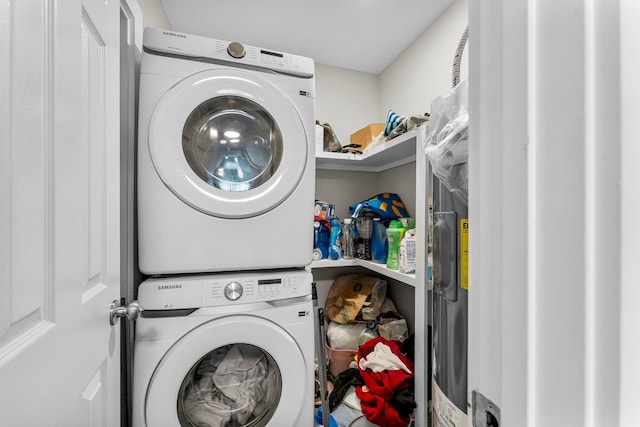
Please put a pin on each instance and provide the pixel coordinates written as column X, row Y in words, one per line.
column 131, row 30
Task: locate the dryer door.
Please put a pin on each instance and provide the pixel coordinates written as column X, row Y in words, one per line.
column 228, row 143
column 236, row 370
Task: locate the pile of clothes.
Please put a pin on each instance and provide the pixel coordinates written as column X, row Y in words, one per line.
column 231, row 386
column 377, row 384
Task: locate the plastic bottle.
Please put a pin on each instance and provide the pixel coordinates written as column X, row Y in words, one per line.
column 335, row 239
column 394, row 236
column 348, row 243
column 379, row 246
column 363, row 241
column 318, row 421
column 320, row 240
column 407, row 254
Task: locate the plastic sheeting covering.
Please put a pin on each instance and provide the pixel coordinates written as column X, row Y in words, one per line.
column 447, row 144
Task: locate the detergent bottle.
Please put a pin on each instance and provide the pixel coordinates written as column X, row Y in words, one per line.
column 407, row 255
column 335, row 240
column 320, row 240
column 379, row 246
column 394, row 237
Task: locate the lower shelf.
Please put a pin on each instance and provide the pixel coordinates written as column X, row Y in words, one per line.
column 409, row 279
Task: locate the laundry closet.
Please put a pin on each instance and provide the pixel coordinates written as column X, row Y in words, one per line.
column 349, row 100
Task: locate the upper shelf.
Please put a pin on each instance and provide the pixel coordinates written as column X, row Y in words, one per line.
column 399, row 151
column 409, row 279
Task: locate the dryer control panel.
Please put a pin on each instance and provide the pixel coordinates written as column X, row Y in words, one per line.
column 206, row 49
column 222, row 289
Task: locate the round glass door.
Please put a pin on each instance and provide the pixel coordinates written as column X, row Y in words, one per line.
column 228, row 143
column 236, row 385
column 232, row 143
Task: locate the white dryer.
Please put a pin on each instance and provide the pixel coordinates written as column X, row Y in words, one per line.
column 226, row 166
column 225, row 351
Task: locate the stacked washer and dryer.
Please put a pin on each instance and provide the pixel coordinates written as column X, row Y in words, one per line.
column 225, row 208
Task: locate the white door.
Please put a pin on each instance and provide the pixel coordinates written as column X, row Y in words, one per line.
column 59, row 212
column 554, row 199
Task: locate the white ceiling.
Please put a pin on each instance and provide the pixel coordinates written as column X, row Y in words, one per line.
column 361, row 35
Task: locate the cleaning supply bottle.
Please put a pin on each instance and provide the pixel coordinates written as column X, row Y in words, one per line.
column 335, row 239
column 407, row 254
column 320, row 240
column 394, row 237
column 379, row 247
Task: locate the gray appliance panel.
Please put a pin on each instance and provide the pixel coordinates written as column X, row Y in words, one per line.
column 450, row 300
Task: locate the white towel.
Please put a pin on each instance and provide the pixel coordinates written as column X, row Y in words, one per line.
column 382, row 359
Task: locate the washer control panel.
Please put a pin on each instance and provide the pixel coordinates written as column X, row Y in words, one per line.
column 222, row 289
column 233, row 290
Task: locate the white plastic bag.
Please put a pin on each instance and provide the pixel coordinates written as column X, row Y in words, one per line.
column 447, row 144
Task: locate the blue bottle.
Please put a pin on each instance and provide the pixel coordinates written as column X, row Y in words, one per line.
column 320, row 240
column 379, row 244
column 335, row 239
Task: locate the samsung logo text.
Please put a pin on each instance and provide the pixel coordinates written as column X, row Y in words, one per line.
column 168, row 33
column 160, row 287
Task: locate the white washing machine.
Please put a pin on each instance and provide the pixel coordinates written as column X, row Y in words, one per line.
column 226, row 165
column 225, row 351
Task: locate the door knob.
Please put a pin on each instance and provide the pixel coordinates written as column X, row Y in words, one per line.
column 131, row 311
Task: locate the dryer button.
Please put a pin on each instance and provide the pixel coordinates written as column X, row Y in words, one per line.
column 233, row 291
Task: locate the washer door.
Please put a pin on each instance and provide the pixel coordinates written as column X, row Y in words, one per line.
column 228, row 143
column 237, row 370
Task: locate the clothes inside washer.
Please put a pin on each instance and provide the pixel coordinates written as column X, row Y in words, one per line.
column 233, row 386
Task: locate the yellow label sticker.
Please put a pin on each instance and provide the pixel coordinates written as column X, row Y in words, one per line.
column 464, row 253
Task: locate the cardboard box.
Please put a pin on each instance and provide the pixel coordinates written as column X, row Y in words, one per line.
column 365, row 135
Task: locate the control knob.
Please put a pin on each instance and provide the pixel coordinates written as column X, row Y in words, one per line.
column 236, row 50
column 233, row 291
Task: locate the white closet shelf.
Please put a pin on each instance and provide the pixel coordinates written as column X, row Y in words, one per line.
column 409, row 279
column 396, row 152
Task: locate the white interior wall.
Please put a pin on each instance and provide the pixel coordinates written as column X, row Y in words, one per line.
column 153, row 14
column 347, row 100
column 344, row 188
column 423, row 70
column 402, row 181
